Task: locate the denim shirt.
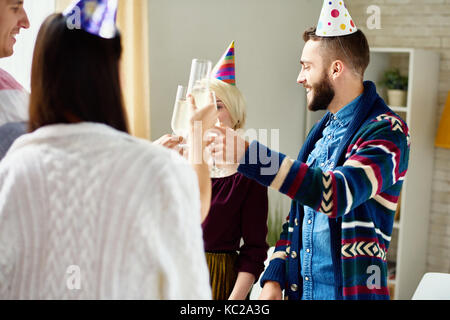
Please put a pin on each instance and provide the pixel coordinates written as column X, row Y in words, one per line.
column 315, row 255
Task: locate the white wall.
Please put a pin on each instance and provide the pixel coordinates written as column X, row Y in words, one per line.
column 269, row 43
column 19, row 65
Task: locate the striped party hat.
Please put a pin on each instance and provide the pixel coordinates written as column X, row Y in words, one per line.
column 225, row 69
column 335, row 20
column 98, row 17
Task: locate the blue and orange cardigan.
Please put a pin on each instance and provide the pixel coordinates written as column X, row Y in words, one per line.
column 359, row 195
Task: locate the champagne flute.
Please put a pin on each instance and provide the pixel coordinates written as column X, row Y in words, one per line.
column 200, row 90
column 215, row 171
column 181, row 115
column 199, row 82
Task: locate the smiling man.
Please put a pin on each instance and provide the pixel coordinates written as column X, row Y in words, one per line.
column 346, row 181
column 12, row 19
column 13, row 97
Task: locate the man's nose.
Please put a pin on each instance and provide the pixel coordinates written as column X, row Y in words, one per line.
column 24, row 22
column 301, row 78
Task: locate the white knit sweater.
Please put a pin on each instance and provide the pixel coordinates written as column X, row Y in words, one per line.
column 85, row 206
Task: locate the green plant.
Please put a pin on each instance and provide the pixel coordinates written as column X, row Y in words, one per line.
column 393, row 80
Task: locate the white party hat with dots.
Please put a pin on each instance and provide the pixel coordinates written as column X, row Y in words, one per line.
column 335, row 20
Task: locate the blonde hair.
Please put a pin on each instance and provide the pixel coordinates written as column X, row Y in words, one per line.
column 233, row 99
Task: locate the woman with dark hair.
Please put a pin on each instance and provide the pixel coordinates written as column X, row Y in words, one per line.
column 86, row 210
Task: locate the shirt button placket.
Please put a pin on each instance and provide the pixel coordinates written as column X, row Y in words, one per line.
column 307, row 285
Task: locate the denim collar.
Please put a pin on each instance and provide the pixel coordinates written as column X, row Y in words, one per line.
column 346, row 114
column 369, row 107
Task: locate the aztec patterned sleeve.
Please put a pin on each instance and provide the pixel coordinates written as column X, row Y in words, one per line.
column 376, row 159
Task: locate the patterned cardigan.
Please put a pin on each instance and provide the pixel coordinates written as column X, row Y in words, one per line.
column 360, row 197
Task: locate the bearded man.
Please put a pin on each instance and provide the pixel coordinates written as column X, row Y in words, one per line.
column 346, row 181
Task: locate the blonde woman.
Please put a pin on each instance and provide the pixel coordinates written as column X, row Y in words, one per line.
column 238, row 211
column 235, row 229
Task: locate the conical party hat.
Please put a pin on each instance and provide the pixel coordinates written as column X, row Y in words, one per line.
column 98, row 17
column 335, row 20
column 225, row 69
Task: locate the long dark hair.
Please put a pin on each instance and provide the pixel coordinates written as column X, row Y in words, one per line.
column 75, row 77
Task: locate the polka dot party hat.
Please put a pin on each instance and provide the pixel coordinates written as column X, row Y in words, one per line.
column 225, row 70
column 335, row 20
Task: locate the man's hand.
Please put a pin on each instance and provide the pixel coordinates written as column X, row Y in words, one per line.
column 228, row 147
column 271, row 291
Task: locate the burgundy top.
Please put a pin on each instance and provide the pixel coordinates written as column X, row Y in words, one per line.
column 239, row 209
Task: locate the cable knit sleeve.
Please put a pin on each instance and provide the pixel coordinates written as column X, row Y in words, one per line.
column 171, row 225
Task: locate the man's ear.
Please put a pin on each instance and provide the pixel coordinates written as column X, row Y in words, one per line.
column 337, row 67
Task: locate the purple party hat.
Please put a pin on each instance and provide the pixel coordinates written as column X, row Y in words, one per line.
column 98, row 17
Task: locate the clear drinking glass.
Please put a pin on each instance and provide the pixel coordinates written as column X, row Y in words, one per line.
column 200, row 90
column 181, row 114
column 215, row 171
column 199, row 82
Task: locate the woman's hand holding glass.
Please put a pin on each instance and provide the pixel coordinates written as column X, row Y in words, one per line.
column 203, row 118
column 173, row 142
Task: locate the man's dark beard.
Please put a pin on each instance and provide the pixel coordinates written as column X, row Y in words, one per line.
column 323, row 95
